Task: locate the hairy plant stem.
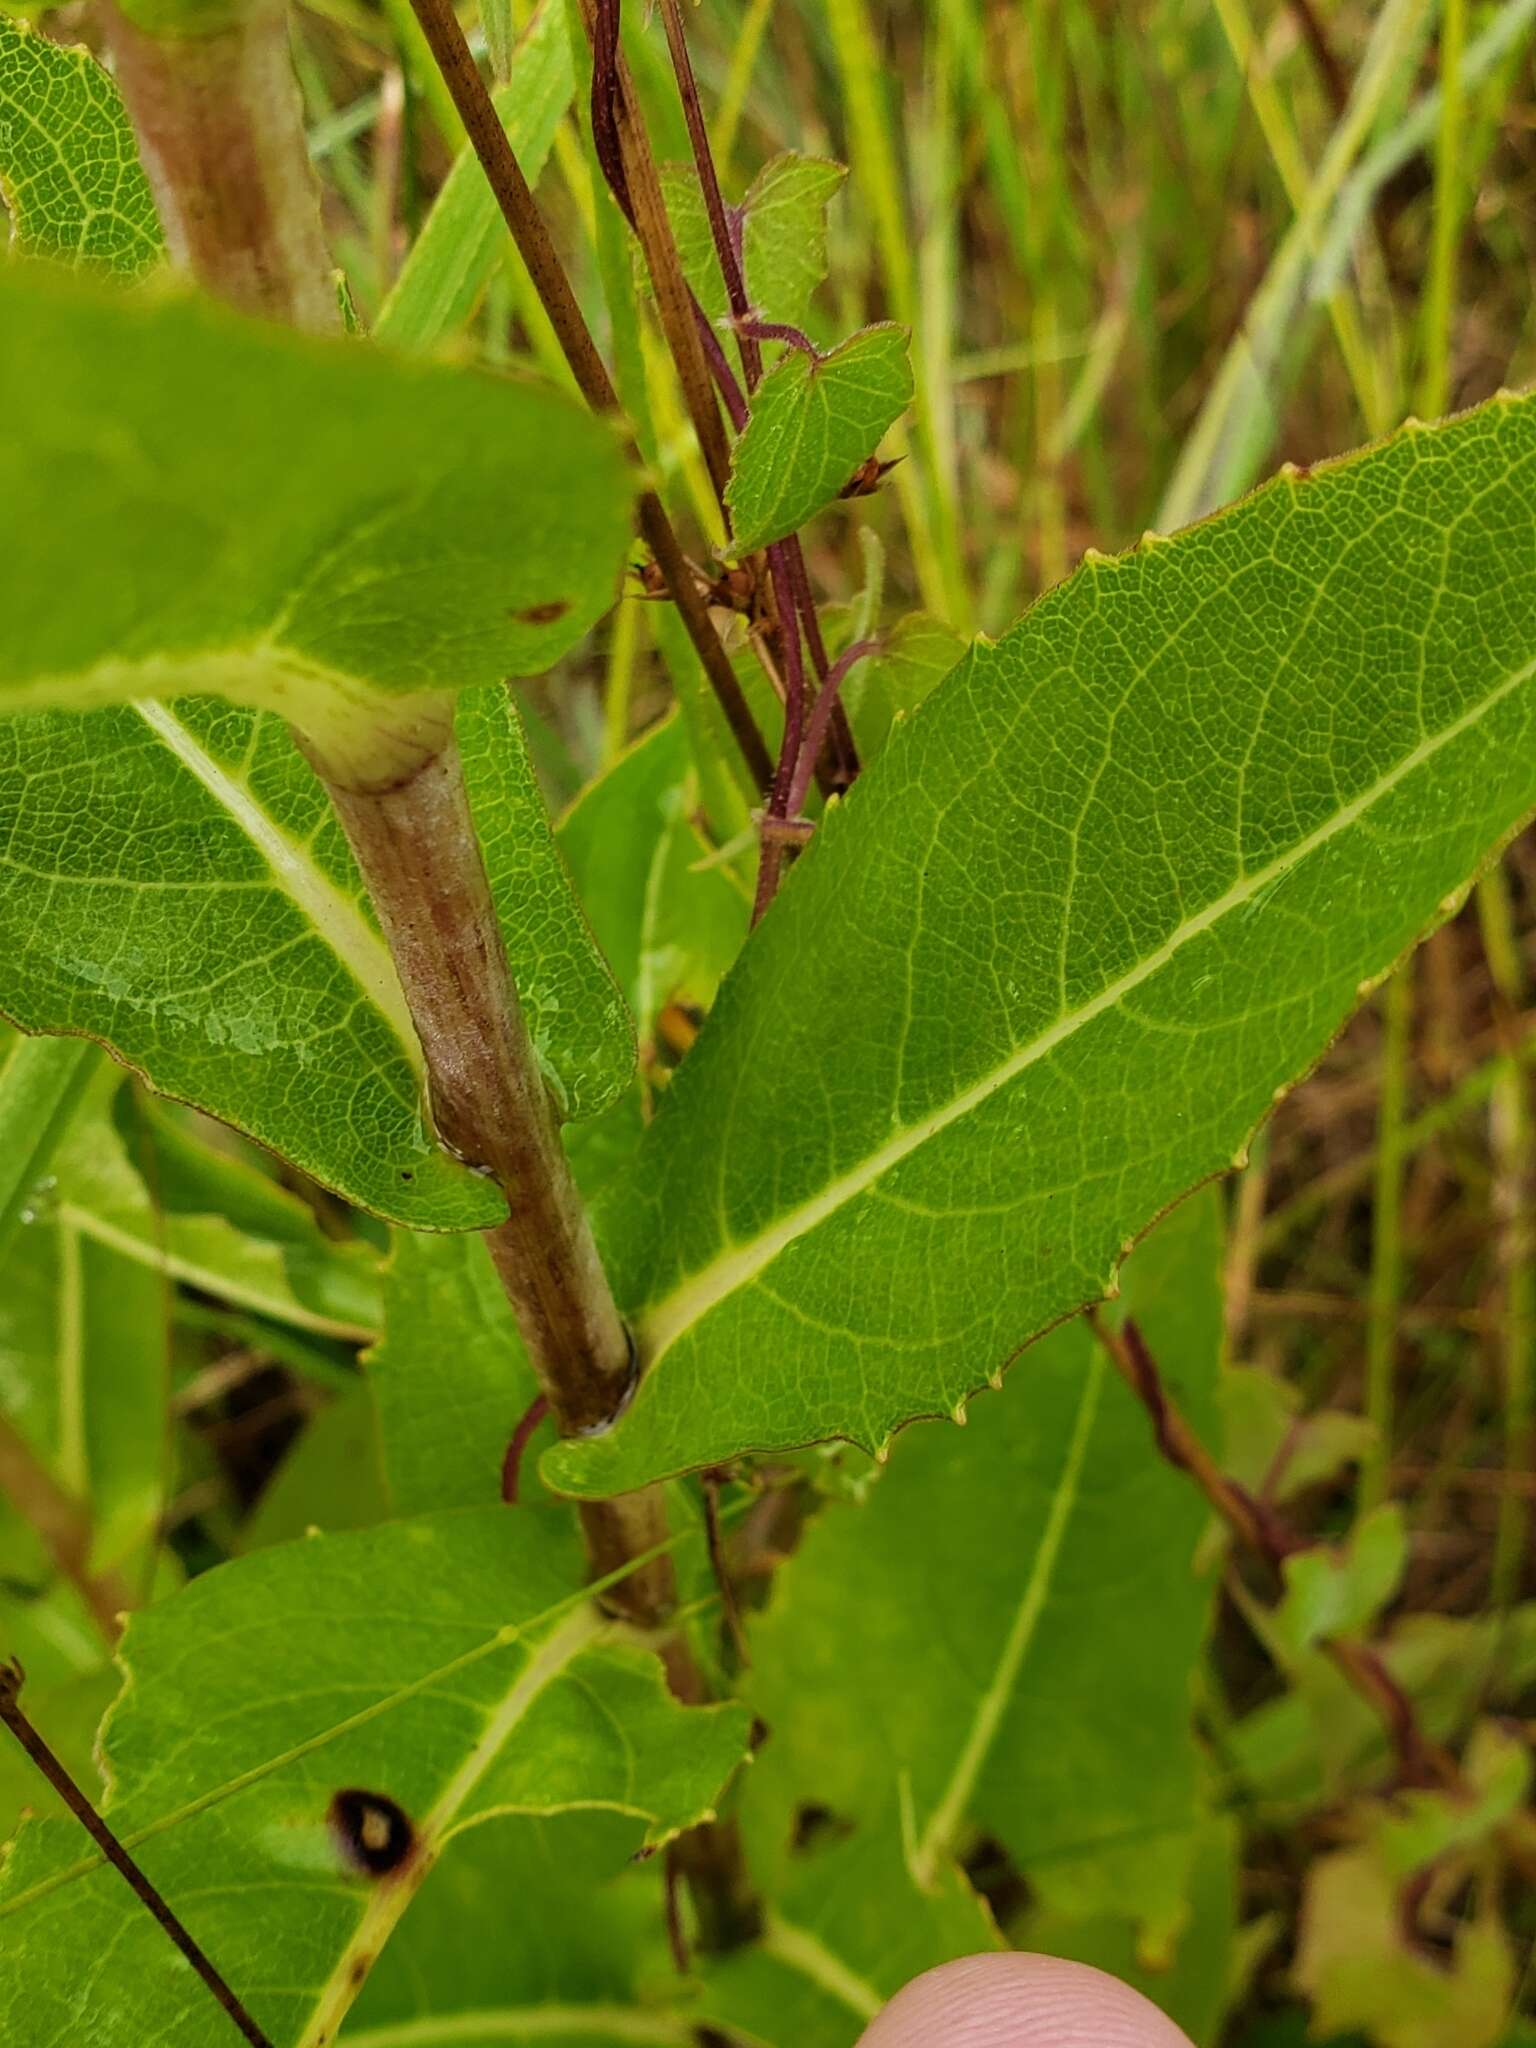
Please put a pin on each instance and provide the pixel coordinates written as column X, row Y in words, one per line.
column 220, row 126
column 220, row 119
column 148, row 1895
column 504, row 175
column 415, row 843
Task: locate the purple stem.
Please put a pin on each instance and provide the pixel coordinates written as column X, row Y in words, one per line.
column 727, row 245
column 776, row 330
column 605, row 102
column 821, row 719
column 794, row 681
column 724, row 375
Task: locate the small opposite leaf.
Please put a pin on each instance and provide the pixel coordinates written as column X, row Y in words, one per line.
column 909, row 663
column 445, row 1669
column 1338, row 1592
column 1100, row 898
column 784, row 235
column 70, row 175
column 814, row 420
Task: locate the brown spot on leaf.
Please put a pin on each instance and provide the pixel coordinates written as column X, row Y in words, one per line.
column 543, row 614
column 373, row 1832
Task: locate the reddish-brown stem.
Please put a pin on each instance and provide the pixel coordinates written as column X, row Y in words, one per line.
column 625, row 156
column 793, row 666
column 778, row 330
column 819, row 724
column 416, row 845
column 148, row 1895
column 504, row 175
column 1261, row 1530
column 220, row 126
column 512, row 1463
column 66, row 1536
column 726, row 249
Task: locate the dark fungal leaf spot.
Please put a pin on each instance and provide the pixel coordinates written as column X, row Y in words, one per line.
column 372, row 1831
column 543, row 614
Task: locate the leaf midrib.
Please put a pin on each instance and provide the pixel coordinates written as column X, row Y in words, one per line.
column 670, row 1319
column 527, row 2023
column 388, row 1900
column 955, row 1799
column 327, row 908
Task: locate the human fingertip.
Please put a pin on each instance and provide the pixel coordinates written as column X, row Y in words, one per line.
column 1020, row 2001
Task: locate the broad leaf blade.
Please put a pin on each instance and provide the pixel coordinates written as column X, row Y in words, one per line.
column 70, row 175
column 202, row 917
column 282, row 521
column 1110, row 889
column 534, row 1930
column 850, row 1927
column 450, row 1377
column 813, row 422
column 1052, row 1555
column 270, row 1685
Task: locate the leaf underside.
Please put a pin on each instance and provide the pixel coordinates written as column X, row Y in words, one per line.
column 1108, row 891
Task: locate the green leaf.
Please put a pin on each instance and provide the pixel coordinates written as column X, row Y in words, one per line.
column 814, row 420
column 450, row 1376
column 1340, row 1592
column 69, row 168
column 1051, row 1553
column 194, row 906
column 784, row 234
column 486, row 1683
column 1193, row 1985
column 282, row 521
column 561, row 1965
column 331, row 1479
column 40, row 1084
column 913, row 659
column 451, row 260
column 669, row 924
column 1321, row 1739
column 84, row 1371
column 849, row 1929
column 576, row 1016
column 1104, row 895
column 203, row 907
